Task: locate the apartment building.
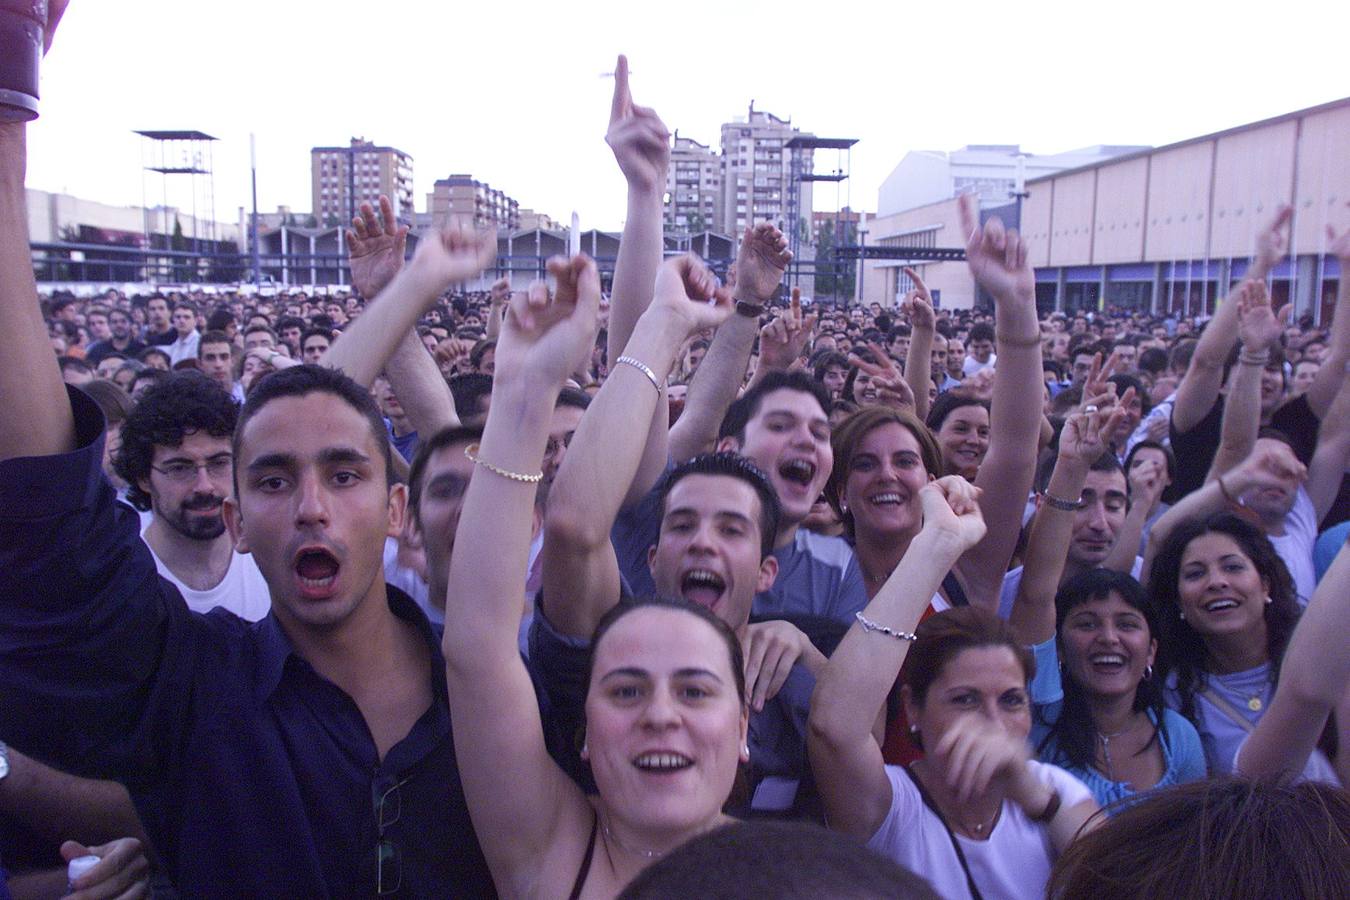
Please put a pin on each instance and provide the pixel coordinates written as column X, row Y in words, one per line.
column 343, row 178
column 758, row 173
column 693, row 187
column 462, row 198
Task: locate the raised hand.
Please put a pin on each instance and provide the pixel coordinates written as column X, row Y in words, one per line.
column 548, row 337
column 760, row 263
column 1146, row 483
column 638, row 137
column 980, row 385
column 1258, row 326
column 451, row 352
column 499, row 293
column 951, row 512
column 975, row 751
column 1087, row 432
column 1272, row 242
column 772, row 648
column 1270, row 465
column 997, row 257
column 918, row 303
column 375, row 248
column 454, row 253
column 689, row 290
column 781, row 341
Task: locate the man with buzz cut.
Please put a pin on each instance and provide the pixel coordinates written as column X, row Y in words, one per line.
column 305, row 755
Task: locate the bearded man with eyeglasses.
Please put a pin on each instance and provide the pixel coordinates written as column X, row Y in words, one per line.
column 175, row 458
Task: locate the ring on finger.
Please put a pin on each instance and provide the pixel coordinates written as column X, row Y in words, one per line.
column 1090, row 408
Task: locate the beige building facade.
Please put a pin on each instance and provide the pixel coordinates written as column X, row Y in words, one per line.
column 342, row 178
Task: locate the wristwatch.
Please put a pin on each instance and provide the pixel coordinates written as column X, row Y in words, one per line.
column 749, row 310
column 4, row 760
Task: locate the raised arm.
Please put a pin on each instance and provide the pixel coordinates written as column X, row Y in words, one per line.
column 498, row 295
column 1084, row 438
column 525, row 810
column 1271, row 465
column 760, row 264
column 1314, row 679
column 31, row 388
column 641, row 145
column 852, row 689
column 580, row 573
column 376, row 256
column 1200, row 385
column 1258, row 329
column 1331, row 456
column 998, row 262
column 442, row 259
column 1331, row 376
column 918, row 307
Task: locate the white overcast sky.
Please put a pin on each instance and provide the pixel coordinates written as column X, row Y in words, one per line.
column 511, row 91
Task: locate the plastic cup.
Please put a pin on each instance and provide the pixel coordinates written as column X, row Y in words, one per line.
column 22, row 23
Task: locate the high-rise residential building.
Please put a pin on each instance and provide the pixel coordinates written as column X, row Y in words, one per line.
column 693, row 187
column 343, row 178
column 760, row 175
column 461, row 198
column 531, row 219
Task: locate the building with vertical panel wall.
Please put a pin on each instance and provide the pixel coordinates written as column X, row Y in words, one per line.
column 757, row 173
column 461, row 198
column 693, row 187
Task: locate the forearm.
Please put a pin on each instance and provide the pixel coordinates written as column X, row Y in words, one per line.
column 1200, row 504
column 64, row 807
column 1241, row 418
column 1330, row 377
column 1204, row 376
column 919, row 368
column 640, row 252
column 486, row 592
column 608, row 446
column 1033, row 613
column 1006, row 475
column 1126, row 549
column 363, row 349
column 714, row 388
column 859, row 675
column 1331, row 456
column 30, row 382
column 494, row 320
column 420, row 388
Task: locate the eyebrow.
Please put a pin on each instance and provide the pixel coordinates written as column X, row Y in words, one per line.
column 184, row 458
column 686, row 672
column 328, row 455
column 720, row 514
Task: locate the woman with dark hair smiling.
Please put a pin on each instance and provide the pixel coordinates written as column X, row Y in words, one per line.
column 1229, row 612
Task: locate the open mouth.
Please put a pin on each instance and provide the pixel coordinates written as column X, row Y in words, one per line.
column 661, row 762
column 317, row 569
column 1221, row 605
column 1107, row 663
column 798, row 471
column 888, row 498
column 702, row 587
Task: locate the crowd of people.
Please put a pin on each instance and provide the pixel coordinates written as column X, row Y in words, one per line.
column 668, row 586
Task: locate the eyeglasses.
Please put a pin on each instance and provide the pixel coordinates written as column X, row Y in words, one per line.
column 388, row 804
column 183, row 471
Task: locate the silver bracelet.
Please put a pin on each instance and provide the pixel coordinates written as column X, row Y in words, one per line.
column 643, row 368
column 868, row 625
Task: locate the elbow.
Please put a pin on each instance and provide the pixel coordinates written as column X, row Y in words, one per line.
column 571, row 525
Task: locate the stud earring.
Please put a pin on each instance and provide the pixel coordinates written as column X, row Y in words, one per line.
column 1148, row 672
column 914, row 729
column 585, row 753
column 1181, row 616
column 1269, row 599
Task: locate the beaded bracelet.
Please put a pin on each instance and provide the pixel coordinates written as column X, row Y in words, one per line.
column 472, row 449
column 1060, row 503
column 868, row 625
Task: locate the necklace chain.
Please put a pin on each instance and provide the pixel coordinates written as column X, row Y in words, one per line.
column 645, row 854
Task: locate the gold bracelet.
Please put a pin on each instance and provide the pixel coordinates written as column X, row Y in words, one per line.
column 472, row 449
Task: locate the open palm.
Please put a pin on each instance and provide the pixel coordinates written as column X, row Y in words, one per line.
column 375, row 248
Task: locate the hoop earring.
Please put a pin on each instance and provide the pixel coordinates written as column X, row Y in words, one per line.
column 1148, row 672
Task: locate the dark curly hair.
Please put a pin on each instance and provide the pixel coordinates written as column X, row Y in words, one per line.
column 1181, row 649
column 179, row 403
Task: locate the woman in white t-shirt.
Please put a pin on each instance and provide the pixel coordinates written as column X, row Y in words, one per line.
column 976, row 817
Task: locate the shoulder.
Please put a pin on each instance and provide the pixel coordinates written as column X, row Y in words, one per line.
column 1071, row 790
column 824, row 550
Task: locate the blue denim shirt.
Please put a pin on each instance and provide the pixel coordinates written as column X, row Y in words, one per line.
column 253, row 774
